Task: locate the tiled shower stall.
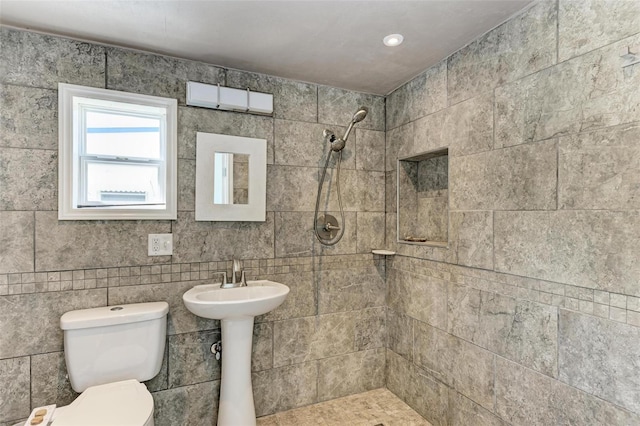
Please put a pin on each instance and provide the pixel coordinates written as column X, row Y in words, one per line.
column 530, row 315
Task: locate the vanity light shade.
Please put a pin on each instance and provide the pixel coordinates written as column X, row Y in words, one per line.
column 226, row 98
column 261, row 102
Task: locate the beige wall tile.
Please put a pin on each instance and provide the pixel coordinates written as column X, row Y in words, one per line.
column 29, row 117
column 15, row 392
column 420, row 296
column 590, row 249
column 22, row 337
column 38, row 60
column 589, row 92
column 423, row 95
column 461, row 365
column 49, row 380
column 520, row 394
column 520, row 330
column 306, row 339
column 519, row 178
column 91, row 244
column 201, row 241
column 16, row 242
column 524, row 44
column 465, row 128
column 149, row 74
column 337, row 106
column 302, row 144
column 292, row 100
column 600, row 357
column 370, row 150
column 188, row 405
column 29, row 178
column 600, row 170
column 281, row 389
column 588, row 24
column 463, row 412
column 190, row 358
column 351, row 373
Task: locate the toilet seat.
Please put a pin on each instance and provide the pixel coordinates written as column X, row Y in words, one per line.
column 125, row 403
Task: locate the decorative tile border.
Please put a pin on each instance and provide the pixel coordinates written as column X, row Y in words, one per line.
column 40, row 282
column 614, row 306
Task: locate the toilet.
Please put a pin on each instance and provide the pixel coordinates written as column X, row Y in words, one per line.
column 109, row 351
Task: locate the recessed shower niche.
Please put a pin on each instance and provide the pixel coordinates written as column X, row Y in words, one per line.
column 423, row 198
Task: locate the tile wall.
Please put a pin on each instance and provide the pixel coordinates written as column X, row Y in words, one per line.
column 531, row 315
column 327, row 340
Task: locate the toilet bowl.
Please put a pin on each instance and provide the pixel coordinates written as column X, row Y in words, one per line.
column 125, row 403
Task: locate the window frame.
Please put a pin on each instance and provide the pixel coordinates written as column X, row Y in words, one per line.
column 73, row 159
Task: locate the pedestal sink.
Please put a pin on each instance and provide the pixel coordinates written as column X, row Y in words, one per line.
column 235, row 308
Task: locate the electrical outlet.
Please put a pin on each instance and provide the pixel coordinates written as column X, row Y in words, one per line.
column 160, row 244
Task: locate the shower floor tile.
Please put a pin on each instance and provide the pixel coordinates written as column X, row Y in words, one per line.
column 378, row 407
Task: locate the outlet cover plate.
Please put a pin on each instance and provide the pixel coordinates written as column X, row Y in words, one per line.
column 160, row 244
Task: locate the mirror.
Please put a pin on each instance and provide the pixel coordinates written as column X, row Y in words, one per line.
column 231, row 173
column 230, row 178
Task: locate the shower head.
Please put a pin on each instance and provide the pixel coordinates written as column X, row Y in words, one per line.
column 360, row 115
column 357, row 117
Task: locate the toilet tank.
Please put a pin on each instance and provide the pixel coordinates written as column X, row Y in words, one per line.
column 114, row 343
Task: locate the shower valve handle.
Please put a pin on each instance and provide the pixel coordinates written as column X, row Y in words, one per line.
column 330, row 227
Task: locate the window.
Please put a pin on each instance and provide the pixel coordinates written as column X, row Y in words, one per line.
column 117, row 155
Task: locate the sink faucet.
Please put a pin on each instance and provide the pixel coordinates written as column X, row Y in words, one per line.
column 234, row 277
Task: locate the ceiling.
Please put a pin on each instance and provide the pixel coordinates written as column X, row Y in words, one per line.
column 337, row 43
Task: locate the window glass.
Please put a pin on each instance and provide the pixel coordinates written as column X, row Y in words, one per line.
column 123, row 178
column 122, row 135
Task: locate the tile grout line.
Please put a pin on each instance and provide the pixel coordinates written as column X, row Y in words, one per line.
column 558, row 174
column 106, row 69
column 557, row 344
column 557, row 32
column 493, row 239
column 31, row 382
column 34, row 243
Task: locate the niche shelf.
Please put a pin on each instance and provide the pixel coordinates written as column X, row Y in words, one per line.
column 423, row 198
column 382, row 252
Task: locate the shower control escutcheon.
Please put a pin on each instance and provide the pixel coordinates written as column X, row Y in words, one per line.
column 327, row 226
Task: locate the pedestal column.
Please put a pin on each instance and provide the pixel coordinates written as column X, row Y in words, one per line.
column 236, row 392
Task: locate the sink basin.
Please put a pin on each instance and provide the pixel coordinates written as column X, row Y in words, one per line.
column 257, row 298
column 236, row 308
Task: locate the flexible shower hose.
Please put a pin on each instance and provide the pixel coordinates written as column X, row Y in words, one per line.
column 338, row 237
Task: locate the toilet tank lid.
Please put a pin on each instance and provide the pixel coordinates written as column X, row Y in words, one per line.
column 113, row 315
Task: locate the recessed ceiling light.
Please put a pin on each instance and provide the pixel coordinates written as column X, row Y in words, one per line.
column 393, row 40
